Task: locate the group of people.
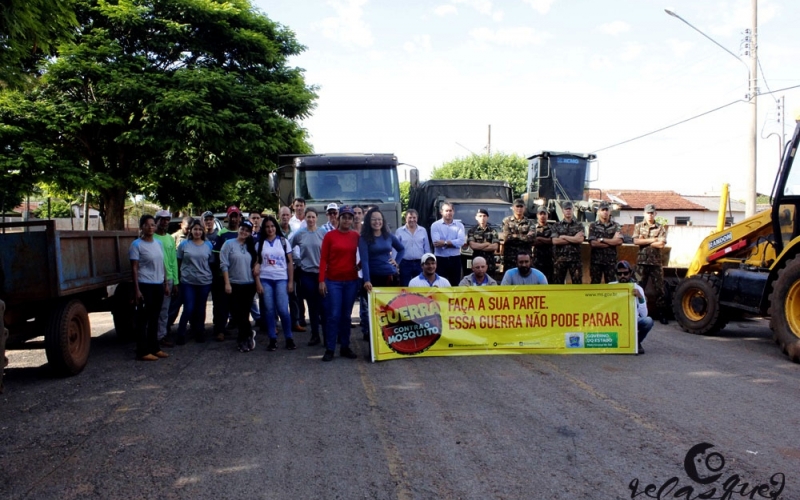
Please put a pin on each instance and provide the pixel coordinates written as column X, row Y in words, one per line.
column 279, row 268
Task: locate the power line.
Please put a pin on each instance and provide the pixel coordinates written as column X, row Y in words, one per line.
column 690, row 119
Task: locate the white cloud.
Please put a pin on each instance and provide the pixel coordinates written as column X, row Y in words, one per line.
column 541, row 6
column 444, row 10
column 418, row 43
column 514, row 37
column 600, row 62
column 348, row 26
column 737, row 19
column 631, row 51
column 680, row 47
column 484, row 7
column 614, row 28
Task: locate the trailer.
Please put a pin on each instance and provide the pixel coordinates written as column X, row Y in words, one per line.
column 51, row 280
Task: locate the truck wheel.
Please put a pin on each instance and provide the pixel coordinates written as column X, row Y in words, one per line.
column 68, row 338
column 696, row 305
column 123, row 312
column 784, row 309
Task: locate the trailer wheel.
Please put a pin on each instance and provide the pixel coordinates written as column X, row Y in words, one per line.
column 123, row 312
column 68, row 338
column 784, row 309
column 696, row 305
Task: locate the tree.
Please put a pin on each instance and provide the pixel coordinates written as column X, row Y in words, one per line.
column 498, row 166
column 177, row 100
column 29, row 31
column 405, row 188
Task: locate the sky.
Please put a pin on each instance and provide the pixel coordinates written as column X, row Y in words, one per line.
column 425, row 80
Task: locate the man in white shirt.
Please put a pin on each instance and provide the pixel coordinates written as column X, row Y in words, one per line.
column 644, row 322
column 298, row 219
column 448, row 237
column 428, row 277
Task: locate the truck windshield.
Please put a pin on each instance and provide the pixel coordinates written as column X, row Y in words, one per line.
column 377, row 185
column 465, row 212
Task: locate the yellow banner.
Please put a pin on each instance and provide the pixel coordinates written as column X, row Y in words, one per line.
column 533, row 319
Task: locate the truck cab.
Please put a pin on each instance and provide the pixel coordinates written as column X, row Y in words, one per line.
column 344, row 179
column 554, row 177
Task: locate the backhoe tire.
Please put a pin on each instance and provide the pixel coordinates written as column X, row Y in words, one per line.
column 696, row 306
column 784, row 309
column 67, row 338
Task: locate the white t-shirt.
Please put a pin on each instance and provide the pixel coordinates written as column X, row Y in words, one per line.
column 274, row 265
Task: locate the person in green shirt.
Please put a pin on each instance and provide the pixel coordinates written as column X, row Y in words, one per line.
column 171, row 267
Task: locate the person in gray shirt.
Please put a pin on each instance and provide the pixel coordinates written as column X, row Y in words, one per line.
column 306, row 246
column 150, row 287
column 195, row 257
column 479, row 276
column 237, row 260
column 524, row 274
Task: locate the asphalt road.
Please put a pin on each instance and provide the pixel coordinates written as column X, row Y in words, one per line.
column 210, row 422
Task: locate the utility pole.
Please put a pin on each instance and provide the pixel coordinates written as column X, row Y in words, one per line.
column 750, row 200
column 489, row 144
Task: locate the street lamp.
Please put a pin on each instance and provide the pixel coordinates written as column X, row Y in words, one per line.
column 752, row 91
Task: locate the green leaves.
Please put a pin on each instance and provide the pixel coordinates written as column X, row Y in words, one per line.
column 498, row 166
column 175, row 99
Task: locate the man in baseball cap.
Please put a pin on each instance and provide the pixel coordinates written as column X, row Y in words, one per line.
column 428, row 277
column 332, row 211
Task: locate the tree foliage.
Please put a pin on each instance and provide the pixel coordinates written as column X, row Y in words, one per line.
column 58, row 208
column 405, row 188
column 497, row 166
column 182, row 101
column 29, row 31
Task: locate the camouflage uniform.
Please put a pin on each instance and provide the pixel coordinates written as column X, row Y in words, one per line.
column 520, row 229
column 567, row 257
column 488, row 235
column 604, row 260
column 648, row 262
column 543, row 254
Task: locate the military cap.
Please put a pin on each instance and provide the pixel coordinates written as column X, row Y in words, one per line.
column 649, row 208
column 566, row 204
column 483, row 211
column 541, row 210
column 603, row 204
column 519, row 202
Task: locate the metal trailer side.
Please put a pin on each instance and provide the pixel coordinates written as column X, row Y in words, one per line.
column 50, row 280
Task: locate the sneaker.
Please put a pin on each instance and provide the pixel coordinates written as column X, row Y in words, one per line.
column 315, row 340
column 243, row 347
column 251, row 342
column 220, row 337
column 298, row 328
column 641, row 349
column 328, row 356
column 290, row 344
column 161, row 354
column 346, row 352
column 273, row 345
column 151, row 357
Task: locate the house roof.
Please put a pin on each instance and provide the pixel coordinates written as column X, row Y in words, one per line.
column 637, row 199
column 712, row 203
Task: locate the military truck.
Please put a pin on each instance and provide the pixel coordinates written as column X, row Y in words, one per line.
column 344, row 179
column 466, row 196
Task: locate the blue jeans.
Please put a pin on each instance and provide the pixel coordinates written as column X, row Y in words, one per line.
column 644, row 325
column 410, row 269
column 276, row 302
column 309, row 290
column 339, row 306
column 194, row 309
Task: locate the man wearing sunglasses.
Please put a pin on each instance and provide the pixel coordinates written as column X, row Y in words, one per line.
column 644, row 322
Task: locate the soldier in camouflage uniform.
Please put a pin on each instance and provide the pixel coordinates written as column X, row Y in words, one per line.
column 604, row 238
column 516, row 234
column 651, row 238
column 483, row 240
column 543, row 244
column 568, row 235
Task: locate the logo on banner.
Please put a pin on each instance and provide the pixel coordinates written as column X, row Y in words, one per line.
column 574, row 339
column 410, row 323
